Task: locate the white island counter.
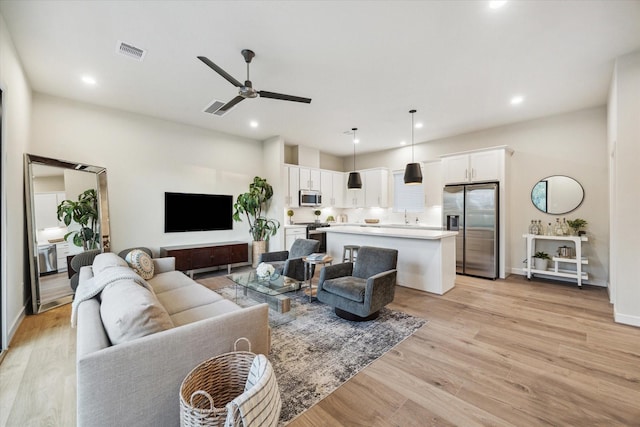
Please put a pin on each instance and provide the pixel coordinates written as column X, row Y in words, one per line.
column 426, row 258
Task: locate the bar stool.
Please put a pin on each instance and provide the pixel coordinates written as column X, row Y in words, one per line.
column 350, row 253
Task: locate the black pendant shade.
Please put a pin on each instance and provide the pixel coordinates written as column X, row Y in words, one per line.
column 354, row 181
column 413, row 172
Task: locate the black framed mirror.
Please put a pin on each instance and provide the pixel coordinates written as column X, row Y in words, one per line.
column 557, row 195
column 48, row 182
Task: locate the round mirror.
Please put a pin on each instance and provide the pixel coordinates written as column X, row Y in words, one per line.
column 557, row 195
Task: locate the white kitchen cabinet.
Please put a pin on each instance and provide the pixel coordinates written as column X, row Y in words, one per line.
column 432, row 183
column 293, row 232
column 354, row 197
column 291, row 178
column 376, row 192
column 46, row 207
column 309, row 179
column 332, row 188
column 62, row 250
column 479, row 166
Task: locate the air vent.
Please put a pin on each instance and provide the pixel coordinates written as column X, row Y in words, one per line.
column 130, row 51
column 214, row 108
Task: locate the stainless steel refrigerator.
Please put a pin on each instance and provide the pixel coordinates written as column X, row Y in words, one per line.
column 472, row 210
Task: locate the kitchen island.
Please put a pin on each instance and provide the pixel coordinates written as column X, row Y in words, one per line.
column 426, row 258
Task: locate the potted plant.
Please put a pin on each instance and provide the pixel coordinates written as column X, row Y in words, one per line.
column 541, row 260
column 84, row 212
column 251, row 205
column 290, row 215
column 317, row 214
column 577, row 225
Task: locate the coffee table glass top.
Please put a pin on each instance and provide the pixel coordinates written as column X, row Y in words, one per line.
column 277, row 285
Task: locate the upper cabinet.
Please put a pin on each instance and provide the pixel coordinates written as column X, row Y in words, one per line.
column 291, row 178
column 332, row 188
column 477, row 166
column 46, row 209
column 309, row 179
column 376, row 192
column 432, row 182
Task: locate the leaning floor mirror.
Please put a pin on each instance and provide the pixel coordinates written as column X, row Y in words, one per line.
column 66, row 213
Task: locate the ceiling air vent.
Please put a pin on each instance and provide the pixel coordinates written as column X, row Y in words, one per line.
column 130, row 51
column 213, row 108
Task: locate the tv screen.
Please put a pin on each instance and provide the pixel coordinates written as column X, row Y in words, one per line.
column 197, row 212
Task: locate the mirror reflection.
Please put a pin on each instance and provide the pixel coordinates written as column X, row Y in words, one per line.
column 557, row 195
column 66, row 215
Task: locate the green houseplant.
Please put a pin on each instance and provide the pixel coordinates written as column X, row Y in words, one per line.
column 577, row 225
column 251, row 205
column 84, row 212
column 541, row 260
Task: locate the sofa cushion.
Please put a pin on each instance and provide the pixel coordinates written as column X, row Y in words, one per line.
column 204, row 312
column 141, row 262
column 348, row 287
column 107, row 260
column 168, row 281
column 187, row 297
column 130, row 311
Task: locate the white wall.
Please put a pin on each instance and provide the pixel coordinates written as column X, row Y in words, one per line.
column 624, row 143
column 144, row 158
column 573, row 144
column 16, row 100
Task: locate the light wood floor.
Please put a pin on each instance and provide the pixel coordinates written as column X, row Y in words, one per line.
column 493, row 353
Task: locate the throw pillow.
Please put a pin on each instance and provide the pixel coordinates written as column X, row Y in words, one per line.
column 141, row 262
column 106, row 260
column 130, row 311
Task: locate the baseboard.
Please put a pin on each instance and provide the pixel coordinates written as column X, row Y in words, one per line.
column 626, row 319
column 522, row 272
column 15, row 325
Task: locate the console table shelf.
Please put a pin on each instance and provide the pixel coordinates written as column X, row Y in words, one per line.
column 578, row 274
column 207, row 255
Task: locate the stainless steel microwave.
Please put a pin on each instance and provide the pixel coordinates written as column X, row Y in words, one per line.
column 310, row 198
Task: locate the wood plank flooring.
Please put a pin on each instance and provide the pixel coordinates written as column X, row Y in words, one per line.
column 494, row 353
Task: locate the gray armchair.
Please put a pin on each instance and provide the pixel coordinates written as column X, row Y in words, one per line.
column 358, row 291
column 289, row 263
column 80, row 260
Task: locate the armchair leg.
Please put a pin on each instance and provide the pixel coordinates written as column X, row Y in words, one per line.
column 353, row 317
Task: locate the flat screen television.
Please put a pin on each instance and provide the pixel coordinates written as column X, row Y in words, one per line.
column 197, row 212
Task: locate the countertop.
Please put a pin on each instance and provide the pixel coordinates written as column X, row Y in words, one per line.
column 405, row 232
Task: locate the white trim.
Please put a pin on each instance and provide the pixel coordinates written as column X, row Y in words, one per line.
column 478, row 150
column 626, row 319
column 16, row 323
column 4, row 332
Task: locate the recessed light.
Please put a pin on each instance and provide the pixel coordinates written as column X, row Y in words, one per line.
column 355, row 141
column 418, row 125
column 88, row 80
column 517, row 100
column 497, row 4
column 253, row 124
column 403, row 142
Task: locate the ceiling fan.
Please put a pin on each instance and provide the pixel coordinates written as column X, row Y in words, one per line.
column 246, row 89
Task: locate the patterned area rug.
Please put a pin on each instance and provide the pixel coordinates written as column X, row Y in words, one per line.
column 316, row 352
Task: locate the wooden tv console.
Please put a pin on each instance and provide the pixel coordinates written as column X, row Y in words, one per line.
column 207, row 255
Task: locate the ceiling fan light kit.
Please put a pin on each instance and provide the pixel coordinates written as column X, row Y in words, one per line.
column 413, row 172
column 354, row 182
column 246, row 90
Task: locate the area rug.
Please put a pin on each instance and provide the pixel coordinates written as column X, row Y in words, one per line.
column 316, row 352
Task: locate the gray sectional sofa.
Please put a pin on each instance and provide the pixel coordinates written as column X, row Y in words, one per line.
column 136, row 382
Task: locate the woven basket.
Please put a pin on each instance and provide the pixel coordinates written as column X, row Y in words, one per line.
column 208, row 388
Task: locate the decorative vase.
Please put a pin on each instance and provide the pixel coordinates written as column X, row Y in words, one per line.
column 259, row 247
column 540, row 263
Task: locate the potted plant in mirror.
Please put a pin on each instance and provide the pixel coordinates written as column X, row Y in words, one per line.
column 541, row 260
column 290, row 215
column 84, row 212
column 251, row 205
column 577, row 225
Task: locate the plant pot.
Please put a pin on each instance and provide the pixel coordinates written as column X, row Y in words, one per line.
column 258, row 247
column 540, row 263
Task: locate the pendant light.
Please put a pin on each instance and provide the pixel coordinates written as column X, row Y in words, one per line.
column 354, row 182
column 412, row 173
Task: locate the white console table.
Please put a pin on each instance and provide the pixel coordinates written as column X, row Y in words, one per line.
column 579, row 261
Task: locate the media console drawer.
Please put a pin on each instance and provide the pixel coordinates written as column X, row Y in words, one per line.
column 195, row 257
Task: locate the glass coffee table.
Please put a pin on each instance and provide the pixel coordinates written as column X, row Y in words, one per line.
column 272, row 291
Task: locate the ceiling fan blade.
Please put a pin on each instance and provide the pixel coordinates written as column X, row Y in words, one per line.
column 273, row 95
column 229, row 105
column 220, row 71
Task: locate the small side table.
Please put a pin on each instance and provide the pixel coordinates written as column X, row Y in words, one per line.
column 308, row 277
